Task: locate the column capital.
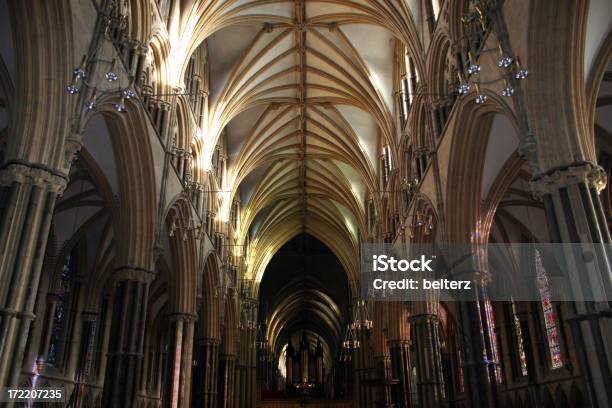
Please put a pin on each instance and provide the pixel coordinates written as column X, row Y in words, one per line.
column 72, row 147
column 176, row 316
column 588, row 173
column 131, row 273
column 27, row 173
column 528, row 150
column 399, row 343
column 89, row 316
column 228, row 357
column 208, row 341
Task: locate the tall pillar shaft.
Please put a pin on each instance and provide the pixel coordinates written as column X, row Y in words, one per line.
column 480, row 386
column 400, row 366
column 207, row 353
column 178, row 371
column 575, row 215
column 384, row 373
column 125, row 350
column 27, row 197
column 227, row 370
column 426, row 340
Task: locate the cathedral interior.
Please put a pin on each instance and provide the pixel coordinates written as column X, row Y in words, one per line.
column 187, row 188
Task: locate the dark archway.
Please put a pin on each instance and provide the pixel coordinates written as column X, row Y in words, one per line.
column 304, row 304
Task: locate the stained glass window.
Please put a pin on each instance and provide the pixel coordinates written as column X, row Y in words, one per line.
column 460, row 371
column 59, row 318
column 519, row 340
column 493, row 336
column 550, row 320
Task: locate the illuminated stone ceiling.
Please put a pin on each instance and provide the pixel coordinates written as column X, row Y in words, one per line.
column 303, row 93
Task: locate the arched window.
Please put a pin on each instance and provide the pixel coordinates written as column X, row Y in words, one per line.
column 432, row 8
column 548, row 312
column 371, row 214
column 408, row 84
column 164, row 9
column 494, row 340
column 520, row 346
column 386, row 165
column 60, row 308
column 235, row 215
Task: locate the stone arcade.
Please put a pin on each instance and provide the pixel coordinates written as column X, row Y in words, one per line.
column 185, row 186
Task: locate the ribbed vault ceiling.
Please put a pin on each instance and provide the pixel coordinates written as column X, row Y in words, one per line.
column 302, row 92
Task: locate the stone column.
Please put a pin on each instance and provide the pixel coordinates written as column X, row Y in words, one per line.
column 227, row 370
column 384, row 374
column 478, row 357
column 46, row 304
column 207, row 354
column 575, row 215
column 48, row 329
column 400, row 366
column 179, row 365
column 364, row 370
column 27, row 200
column 246, row 370
column 480, row 385
column 125, row 350
column 425, row 338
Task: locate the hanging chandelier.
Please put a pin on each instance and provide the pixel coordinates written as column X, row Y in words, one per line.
column 477, row 25
column 345, row 355
column 361, row 317
column 350, row 339
column 248, row 306
column 96, row 77
column 84, row 81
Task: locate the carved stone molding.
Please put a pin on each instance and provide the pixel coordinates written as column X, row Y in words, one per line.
column 24, row 174
column 528, row 151
column 127, row 273
column 72, row 147
column 208, row 341
column 178, row 316
column 590, row 174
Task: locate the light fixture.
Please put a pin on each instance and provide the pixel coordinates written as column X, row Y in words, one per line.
column 120, row 106
column 508, row 89
column 91, row 104
column 521, row 73
column 480, row 97
column 463, row 88
column 345, row 355
column 430, row 226
column 473, row 68
column 80, row 78
column 80, row 72
column 72, row 89
column 111, row 75
column 350, row 339
column 262, row 342
column 128, row 94
column 422, row 220
column 504, row 60
column 361, row 318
